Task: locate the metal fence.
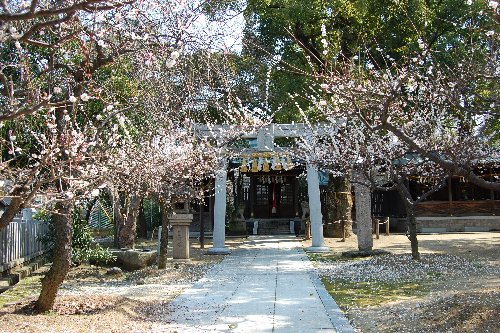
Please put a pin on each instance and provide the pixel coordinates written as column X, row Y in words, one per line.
column 20, row 242
column 101, row 216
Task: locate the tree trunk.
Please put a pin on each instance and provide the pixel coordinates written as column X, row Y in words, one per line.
column 410, row 218
column 307, row 232
column 339, row 206
column 117, row 214
column 142, row 227
column 127, row 229
column 363, row 212
column 88, row 210
column 10, row 212
column 21, row 195
column 412, row 228
column 61, row 257
column 162, row 256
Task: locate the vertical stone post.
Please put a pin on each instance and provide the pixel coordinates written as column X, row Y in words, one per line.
column 219, row 232
column 315, row 210
column 180, row 229
column 363, row 213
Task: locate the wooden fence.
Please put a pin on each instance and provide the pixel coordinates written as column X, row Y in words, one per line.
column 19, row 242
column 459, row 208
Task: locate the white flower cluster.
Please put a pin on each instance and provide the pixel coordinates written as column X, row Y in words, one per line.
column 173, row 59
column 9, row 32
column 324, row 42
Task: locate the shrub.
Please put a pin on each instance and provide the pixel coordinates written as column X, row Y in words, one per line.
column 85, row 249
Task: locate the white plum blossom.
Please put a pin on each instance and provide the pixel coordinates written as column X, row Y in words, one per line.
column 72, row 99
column 121, row 120
column 170, row 63
column 175, row 55
column 421, row 43
column 493, row 4
column 57, row 90
column 84, row 97
column 323, row 30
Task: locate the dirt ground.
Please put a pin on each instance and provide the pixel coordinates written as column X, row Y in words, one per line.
column 92, row 301
column 455, row 287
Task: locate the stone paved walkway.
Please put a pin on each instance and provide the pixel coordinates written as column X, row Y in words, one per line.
column 267, row 285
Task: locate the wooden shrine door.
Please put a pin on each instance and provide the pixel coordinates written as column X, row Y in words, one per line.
column 283, row 193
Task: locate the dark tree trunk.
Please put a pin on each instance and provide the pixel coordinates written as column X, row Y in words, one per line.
column 127, row 229
column 88, row 210
column 162, row 256
column 61, row 257
column 21, row 195
column 412, row 228
column 307, row 233
column 63, row 230
column 10, row 212
column 410, row 218
column 339, row 206
column 202, row 227
column 142, row 227
column 117, row 214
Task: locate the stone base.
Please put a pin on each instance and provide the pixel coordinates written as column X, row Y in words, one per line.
column 317, row 249
column 180, row 261
column 218, row 250
column 365, row 253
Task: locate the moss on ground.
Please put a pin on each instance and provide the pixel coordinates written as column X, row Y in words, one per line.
column 362, row 294
column 27, row 287
column 332, row 257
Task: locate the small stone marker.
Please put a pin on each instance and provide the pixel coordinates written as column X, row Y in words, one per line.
column 180, row 227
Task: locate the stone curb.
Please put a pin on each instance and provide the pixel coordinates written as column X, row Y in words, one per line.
column 337, row 317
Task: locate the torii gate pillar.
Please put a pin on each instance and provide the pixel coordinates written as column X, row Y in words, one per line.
column 219, row 232
column 315, row 210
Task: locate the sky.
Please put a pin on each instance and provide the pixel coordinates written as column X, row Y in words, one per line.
column 225, row 35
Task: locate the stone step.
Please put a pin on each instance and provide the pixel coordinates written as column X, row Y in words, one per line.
column 9, row 280
column 4, row 289
column 273, row 231
column 18, row 273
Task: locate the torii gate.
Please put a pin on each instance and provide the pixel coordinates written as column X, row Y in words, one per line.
column 265, row 143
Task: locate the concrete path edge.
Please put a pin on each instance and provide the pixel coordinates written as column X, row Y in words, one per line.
column 337, row 317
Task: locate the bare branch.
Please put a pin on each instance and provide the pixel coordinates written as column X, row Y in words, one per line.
column 26, row 111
